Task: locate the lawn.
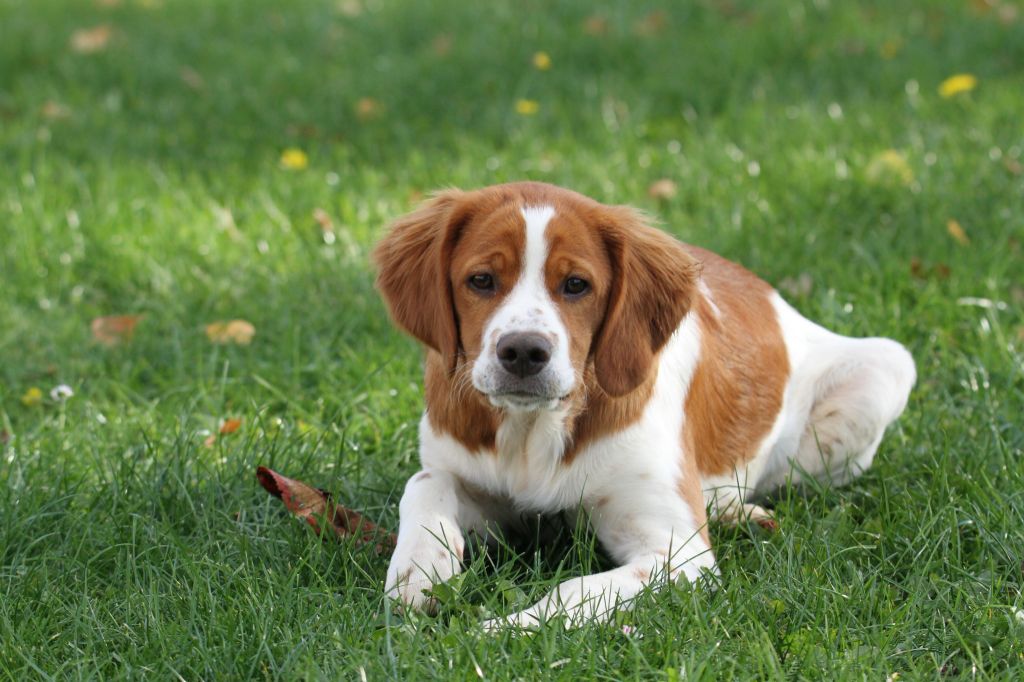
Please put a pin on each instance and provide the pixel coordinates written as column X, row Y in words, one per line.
column 195, row 161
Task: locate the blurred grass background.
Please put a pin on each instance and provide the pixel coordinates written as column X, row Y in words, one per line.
column 144, row 170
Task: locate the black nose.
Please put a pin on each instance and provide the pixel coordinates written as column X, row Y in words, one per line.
column 523, row 353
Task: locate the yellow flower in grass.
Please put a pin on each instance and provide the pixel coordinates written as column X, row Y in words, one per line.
column 527, row 107
column 294, row 159
column 541, row 61
column 954, row 85
column 32, row 397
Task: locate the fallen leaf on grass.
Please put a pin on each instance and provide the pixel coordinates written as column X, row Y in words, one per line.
column 313, row 505
column 367, row 108
column 651, row 24
column 662, row 189
column 227, row 427
column 595, row 25
column 91, row 40
column 918, row 269
column 323, row 219
column 53, row 111
column 957, row 232
column 114, row 329
column 232, row 331
column 888, row 166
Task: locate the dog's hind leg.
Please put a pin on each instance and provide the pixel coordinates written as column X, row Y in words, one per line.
column 862, row 388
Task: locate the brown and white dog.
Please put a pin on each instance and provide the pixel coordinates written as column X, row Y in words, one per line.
column 578, row 358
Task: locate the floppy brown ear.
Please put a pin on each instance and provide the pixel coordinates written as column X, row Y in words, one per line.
column 412, row 262
column 652, row 289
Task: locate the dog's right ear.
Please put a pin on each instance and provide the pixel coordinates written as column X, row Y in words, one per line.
column 413, row 261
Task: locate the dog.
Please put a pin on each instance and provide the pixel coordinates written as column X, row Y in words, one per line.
column 579, row 359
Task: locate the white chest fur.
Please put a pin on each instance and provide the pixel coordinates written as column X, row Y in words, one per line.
column 528, row 468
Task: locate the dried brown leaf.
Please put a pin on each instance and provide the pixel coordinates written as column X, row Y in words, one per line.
column 114, row 329
column 313, row 505
column 91, row 40
column 231, row 331
column 651, row 24
column 595, row 25
column 662, row 189
column 368, row 108
column 230, row 426
column 323, row 219
column 53, row 110
column 956, row 231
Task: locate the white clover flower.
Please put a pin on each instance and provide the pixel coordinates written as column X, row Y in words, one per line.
column 60, row 393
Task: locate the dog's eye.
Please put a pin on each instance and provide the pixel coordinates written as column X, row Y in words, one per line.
column 575, row 286
column 482, row 282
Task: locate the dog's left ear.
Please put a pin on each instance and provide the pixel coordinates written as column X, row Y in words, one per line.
column 652, row 290
column 413, row 261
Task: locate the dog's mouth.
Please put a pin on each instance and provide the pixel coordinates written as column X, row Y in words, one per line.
column 523, row 400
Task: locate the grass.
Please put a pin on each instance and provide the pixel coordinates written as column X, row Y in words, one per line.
column 144, row 178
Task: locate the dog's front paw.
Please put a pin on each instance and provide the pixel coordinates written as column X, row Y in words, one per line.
column 418, row 565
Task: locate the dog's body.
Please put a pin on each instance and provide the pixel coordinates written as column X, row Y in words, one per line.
column 578, row 358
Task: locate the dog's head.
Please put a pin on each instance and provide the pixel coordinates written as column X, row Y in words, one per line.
column 524, row 285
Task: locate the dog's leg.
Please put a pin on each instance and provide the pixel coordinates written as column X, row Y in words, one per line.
column 434, row 511
column 661, row 542
column 862, row 389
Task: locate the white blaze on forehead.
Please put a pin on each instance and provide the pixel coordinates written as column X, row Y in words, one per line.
column 537, row 219
column 529, row 303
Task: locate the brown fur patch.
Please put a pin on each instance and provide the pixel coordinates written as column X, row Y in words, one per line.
column 455, row 408
column 737, row 389
column 413, row 262
column 654, row 282
column 598, row 414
